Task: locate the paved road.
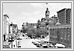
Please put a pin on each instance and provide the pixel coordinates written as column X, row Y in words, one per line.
column 26, row 43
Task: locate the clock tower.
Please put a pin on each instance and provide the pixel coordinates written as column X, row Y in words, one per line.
column 47, row 12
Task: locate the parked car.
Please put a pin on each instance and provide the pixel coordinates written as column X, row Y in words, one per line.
column 45, row 45
column 60, row 45
column 38, row 44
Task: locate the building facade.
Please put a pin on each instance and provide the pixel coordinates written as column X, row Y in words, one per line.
column 61, row 34
column 68, row 16
column 5, row 26
column 13, row 28
column 64, row 16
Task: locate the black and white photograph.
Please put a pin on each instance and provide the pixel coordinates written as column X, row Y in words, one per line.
column 36, row 25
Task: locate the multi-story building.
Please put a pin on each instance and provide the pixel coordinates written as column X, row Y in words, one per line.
column 45, row 21
column 53, row 20
column 64, row 16
column 5, row 26
column 60, row 34
column 31, row 25
column 28, row 26
column 68, row 16
column 13, row 28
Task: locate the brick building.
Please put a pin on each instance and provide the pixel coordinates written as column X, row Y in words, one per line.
column 61, row 34
column 64, row 16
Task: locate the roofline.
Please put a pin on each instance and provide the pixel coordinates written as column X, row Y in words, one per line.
column 61, row 10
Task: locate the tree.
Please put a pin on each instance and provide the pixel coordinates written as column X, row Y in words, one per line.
column 39, row 22
column 43, row 19
column 30, row 32
column 41, row 31
column 24, row 28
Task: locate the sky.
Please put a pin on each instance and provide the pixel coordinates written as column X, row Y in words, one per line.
column 31, row 12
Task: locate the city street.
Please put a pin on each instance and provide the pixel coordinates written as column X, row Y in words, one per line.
column 36, row 25
column 27, row 43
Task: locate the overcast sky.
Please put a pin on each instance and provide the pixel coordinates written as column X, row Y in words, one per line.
column 31, row 12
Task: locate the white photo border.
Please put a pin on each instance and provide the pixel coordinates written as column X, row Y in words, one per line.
column 38, row 2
